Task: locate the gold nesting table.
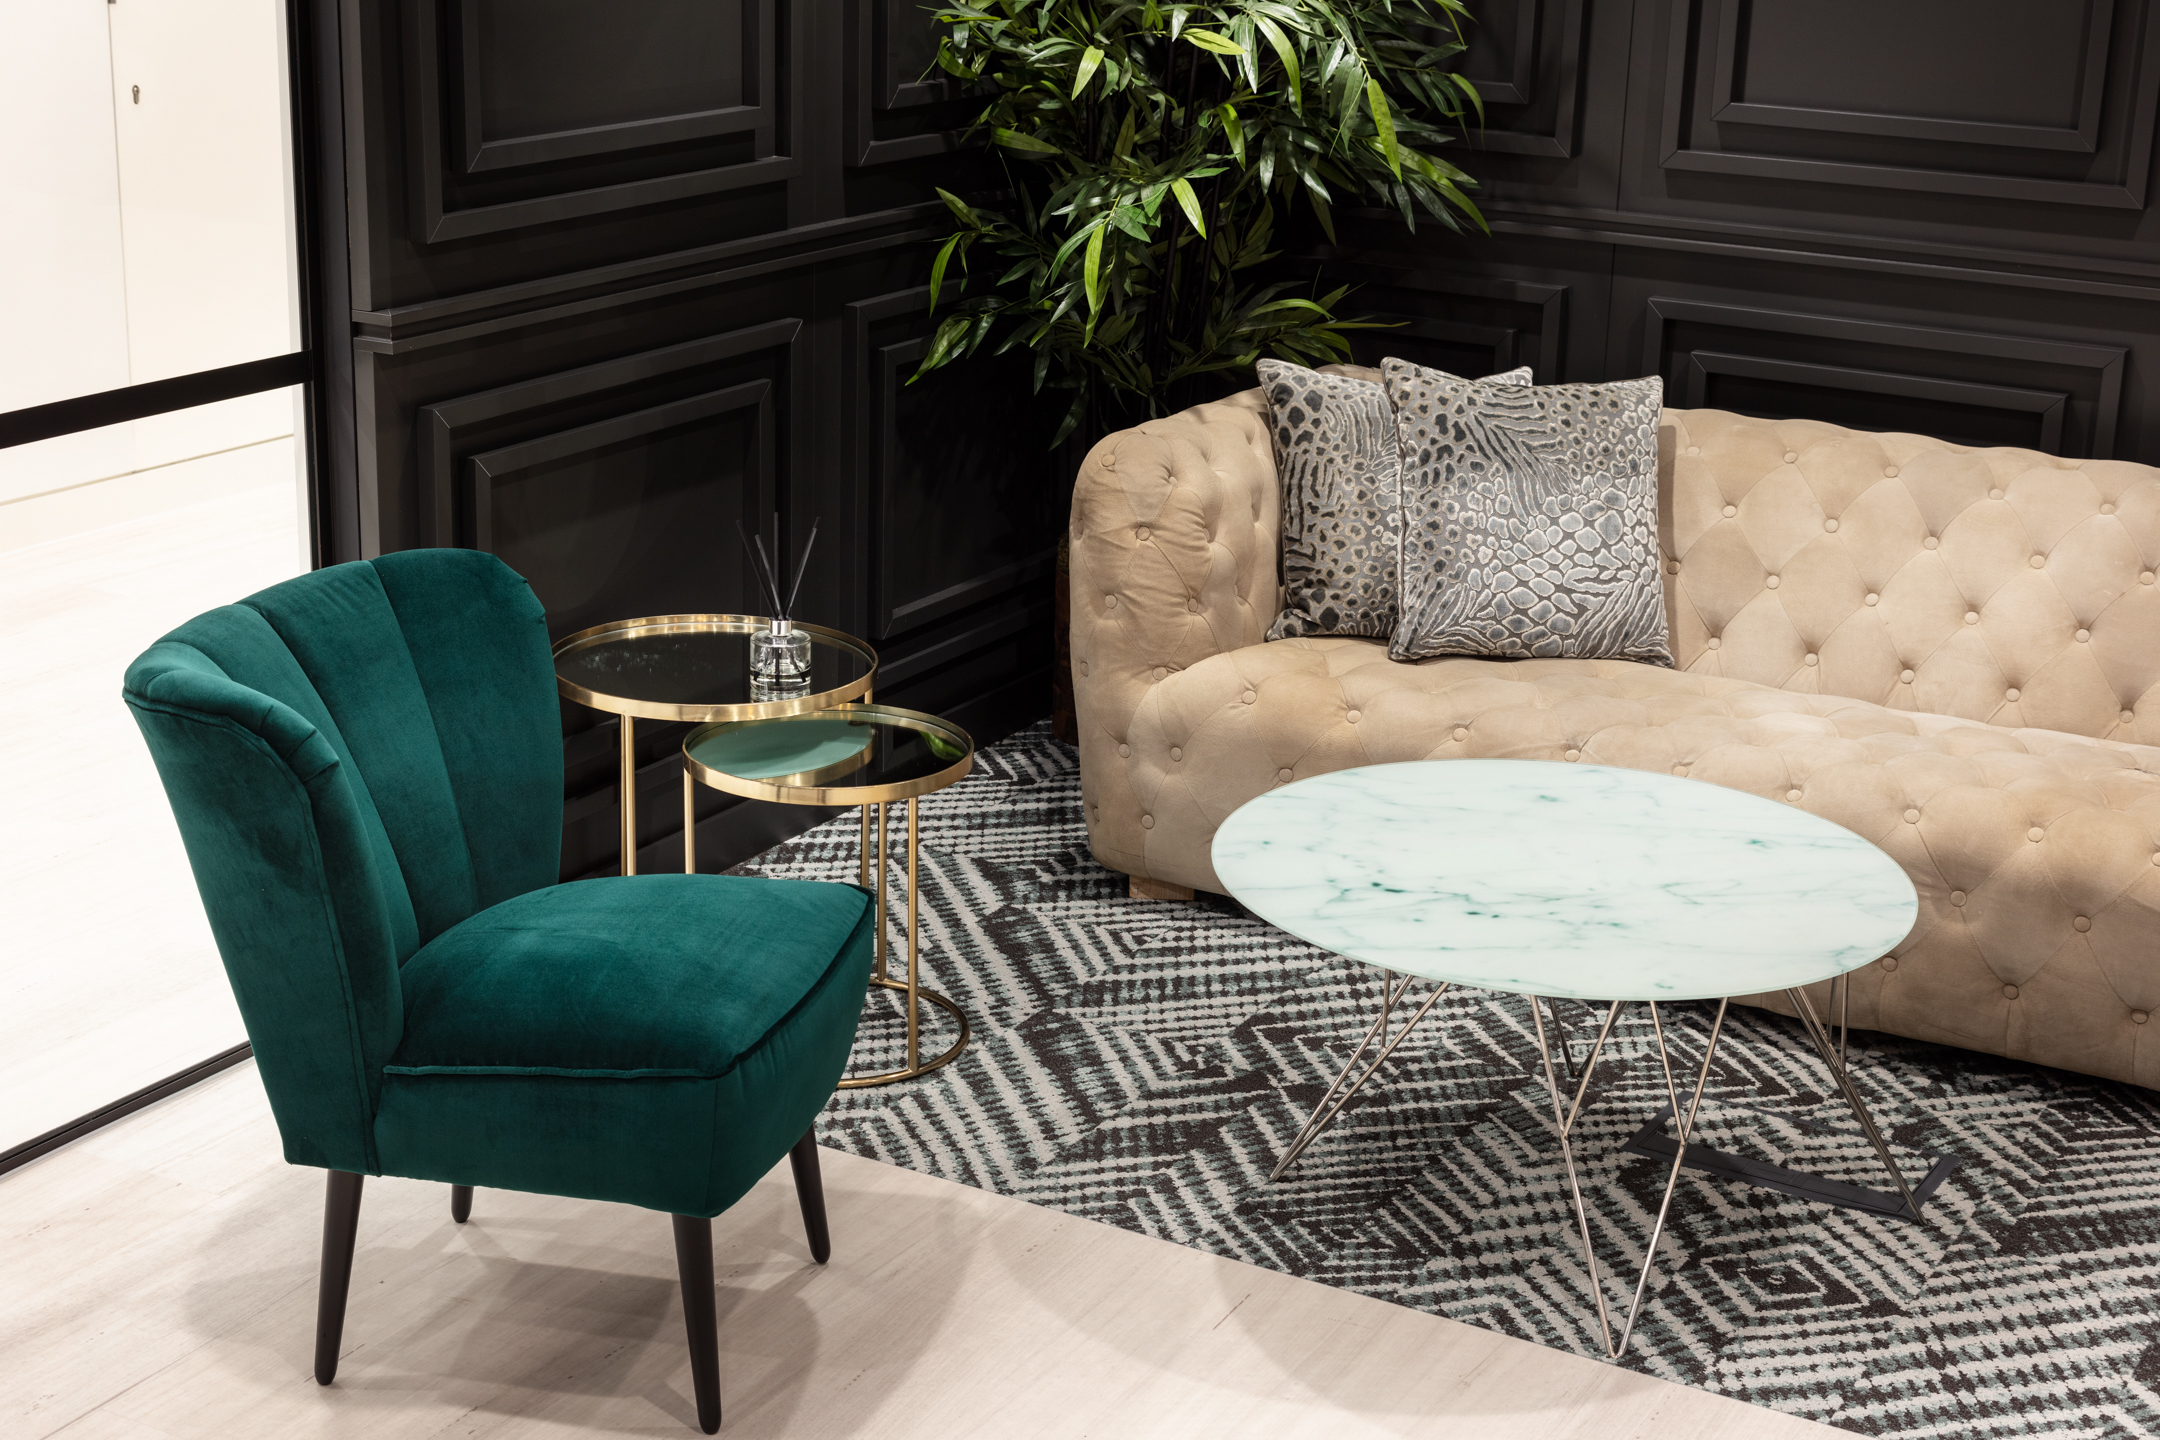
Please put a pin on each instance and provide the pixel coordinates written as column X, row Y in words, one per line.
column 816, row 746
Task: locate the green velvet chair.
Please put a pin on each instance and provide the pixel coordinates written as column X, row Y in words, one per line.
column 366, row 764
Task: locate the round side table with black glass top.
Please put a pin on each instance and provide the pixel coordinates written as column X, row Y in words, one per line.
column 866, row 755
column 696, row 668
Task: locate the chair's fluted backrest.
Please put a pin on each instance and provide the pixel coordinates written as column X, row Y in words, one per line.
column 358, row 759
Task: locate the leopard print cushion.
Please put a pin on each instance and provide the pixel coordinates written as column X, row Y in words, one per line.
column 1529, row 519
column 1336, row 451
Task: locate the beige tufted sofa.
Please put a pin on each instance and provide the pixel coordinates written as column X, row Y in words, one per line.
column 1953, row 652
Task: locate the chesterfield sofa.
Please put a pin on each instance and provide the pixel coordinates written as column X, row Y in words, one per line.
column 1953, row 652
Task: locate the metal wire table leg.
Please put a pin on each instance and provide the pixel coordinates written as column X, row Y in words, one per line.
column 1833, row 1057
column 1565, row 1121
column 1392, row 990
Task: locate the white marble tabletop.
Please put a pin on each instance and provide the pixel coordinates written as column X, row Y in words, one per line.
column 1583, row 881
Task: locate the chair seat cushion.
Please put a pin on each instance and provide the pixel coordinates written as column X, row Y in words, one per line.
column 625, row 978
column 651, row 1039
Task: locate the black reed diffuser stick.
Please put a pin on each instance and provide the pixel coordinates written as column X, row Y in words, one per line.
column 762, row 570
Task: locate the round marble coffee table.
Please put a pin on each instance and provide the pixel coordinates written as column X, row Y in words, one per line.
column 1583, row 882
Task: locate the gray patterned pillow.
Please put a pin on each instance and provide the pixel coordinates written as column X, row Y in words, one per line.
column 1529, row 519
column 1335, row 449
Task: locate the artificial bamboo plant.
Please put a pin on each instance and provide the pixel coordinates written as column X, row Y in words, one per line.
column 1151, row 150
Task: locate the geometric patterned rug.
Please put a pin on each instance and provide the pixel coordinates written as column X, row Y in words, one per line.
column 1143, row 1063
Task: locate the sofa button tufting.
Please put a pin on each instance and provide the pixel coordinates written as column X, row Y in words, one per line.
column 1161, row 673
column 1872, row 597
column 1731, row 510
column 1889, row 962
column 2146, row 578
column 1083, row 667
column 2139, row 1017
column 1694, row 449
column 1811, row 658
column 1912, row 817
column 1957, row 897
column 1672, row 567
column 1572, row 755
column 1715, row 642
column 1124, row 752
column 2039, row 562
column 2036, row 834
column 1680, row 770
column 1462, row 734
column 1830, row 525
column 1972, row 617
column 2083, row 636
column 1930, row 543
column 1249, row 697
column 1792, row 795
column 1176, row 753
column 1354, row 716
column 1790, row 457
column 2127, row 717
column 1770, row 582
column 1905, row 677
column 1142, row 533
column 1282, row 774
column 1147, row 822
column 1192, row 607
column 1109, row 602
column 2082, row 924
column 1889, row 472
column 2011, row 693
column 1994, row 494
column 2009, row 992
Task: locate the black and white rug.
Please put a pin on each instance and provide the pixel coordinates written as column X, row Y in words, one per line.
column 1143, row 1064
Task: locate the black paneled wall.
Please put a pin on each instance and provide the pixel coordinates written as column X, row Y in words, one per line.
column 625, row 275
column 1926, row 215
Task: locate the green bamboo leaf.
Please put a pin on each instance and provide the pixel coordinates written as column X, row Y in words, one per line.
column 1014, row 140
column 1093, row 274
column 1384, row 121
column 960, row 209
column 1217, row 44
column 1273, row 34
column 937, row 268
column 941, row 345
column 1090, row 61
column 1124, row 136
column 1189, row 203
column 1233, row 130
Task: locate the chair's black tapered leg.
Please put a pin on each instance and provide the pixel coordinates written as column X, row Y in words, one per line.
column 810, row 1194
column 461, row 1203
column 340, row 1224
column 693, row 1261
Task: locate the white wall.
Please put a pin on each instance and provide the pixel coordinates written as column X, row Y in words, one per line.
column 145, row 232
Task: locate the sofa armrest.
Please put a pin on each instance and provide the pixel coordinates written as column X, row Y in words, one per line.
column 1176, row 530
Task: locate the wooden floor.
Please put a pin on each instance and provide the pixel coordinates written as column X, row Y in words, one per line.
column 158, row 1280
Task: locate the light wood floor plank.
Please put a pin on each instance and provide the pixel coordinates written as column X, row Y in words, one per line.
column 161, row 1286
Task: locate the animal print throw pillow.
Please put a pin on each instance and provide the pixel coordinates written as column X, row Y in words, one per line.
column 1335, row 450
column 1529, row 519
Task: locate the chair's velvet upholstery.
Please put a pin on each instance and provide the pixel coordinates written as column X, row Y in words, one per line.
column 366, row 767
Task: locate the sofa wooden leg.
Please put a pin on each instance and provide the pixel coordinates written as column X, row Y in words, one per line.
column 701, row 1318
column 340, row 1227
column 461, row 1203
column 810, row 1194
column 1146, row 889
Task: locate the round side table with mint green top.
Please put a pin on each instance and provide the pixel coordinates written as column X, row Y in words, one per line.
column 866, row 755
column 1581, row 882
column 696, row 668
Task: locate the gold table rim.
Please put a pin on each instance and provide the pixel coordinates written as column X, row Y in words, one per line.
column 837, row 794
column 696, row 624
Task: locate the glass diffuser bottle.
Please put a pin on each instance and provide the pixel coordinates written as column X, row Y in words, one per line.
column 780, row 657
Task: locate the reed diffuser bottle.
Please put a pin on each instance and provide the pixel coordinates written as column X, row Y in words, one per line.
column 779, row 653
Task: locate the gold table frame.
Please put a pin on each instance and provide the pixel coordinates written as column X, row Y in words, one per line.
column 631, row 711
column 817, row 787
